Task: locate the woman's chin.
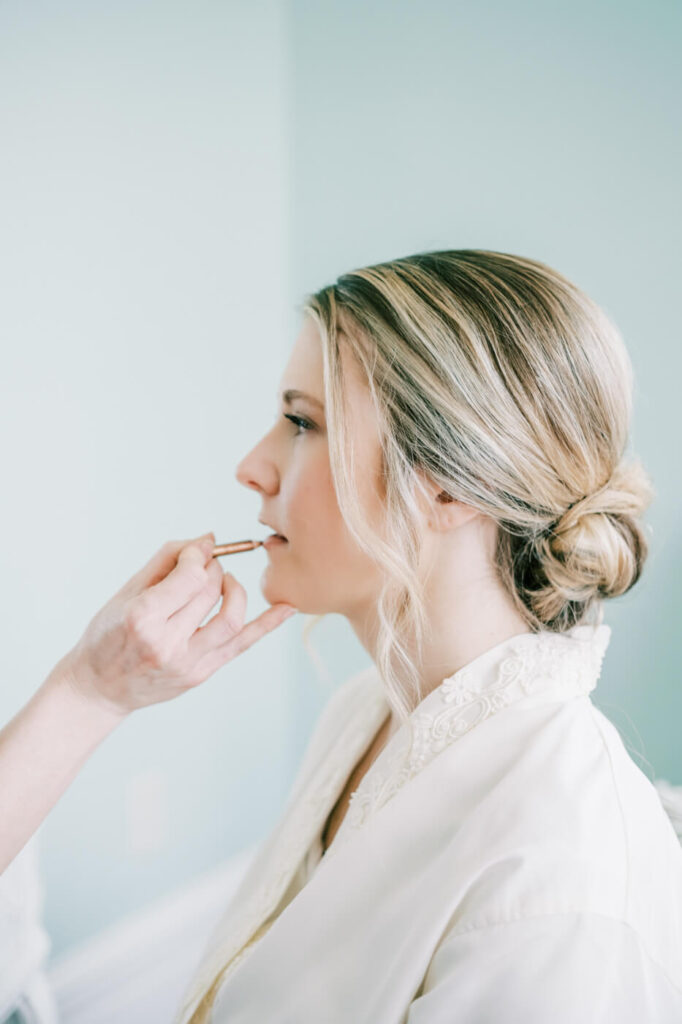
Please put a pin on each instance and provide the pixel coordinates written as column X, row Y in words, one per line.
column 273, row 594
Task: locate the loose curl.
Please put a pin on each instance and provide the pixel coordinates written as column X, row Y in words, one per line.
column 503, row 382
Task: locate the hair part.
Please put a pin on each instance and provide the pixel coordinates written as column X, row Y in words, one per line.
column 504, row 383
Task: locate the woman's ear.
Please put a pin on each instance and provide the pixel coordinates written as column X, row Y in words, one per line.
column 441, row 511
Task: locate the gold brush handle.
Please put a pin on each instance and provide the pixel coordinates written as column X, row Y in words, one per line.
column 235, row 546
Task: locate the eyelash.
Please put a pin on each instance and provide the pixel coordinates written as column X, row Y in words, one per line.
column 302, row 424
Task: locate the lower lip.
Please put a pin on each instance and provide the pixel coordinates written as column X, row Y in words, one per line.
column 274, row 542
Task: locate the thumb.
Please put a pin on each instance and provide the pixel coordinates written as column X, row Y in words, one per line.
column 163, row 562
column 207, row 543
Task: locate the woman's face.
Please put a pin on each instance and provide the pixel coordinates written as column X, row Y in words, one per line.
column 320, row 568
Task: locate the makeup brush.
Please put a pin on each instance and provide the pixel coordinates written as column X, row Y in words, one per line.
column 236, row 546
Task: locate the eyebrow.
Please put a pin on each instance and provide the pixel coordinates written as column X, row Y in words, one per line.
column 292, row 393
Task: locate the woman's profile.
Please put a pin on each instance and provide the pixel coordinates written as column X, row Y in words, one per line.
column 467, row 837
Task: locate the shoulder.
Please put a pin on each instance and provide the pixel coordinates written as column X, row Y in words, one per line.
column 562, row 967
column 351, row 698
column 559, row 820
column 353, row 694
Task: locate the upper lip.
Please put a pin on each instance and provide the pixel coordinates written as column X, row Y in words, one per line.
column 271, row 527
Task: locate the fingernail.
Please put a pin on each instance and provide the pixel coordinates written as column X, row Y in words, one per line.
column 290, row 611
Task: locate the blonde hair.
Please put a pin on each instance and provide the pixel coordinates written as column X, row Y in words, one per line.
column 503, row 382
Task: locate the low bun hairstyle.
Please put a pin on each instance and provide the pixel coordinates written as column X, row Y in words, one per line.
column 596, row 549
column 502, row 381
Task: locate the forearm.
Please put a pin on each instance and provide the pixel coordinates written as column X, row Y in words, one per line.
column 42, row 749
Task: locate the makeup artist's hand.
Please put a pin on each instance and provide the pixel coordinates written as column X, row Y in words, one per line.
column 146, row 645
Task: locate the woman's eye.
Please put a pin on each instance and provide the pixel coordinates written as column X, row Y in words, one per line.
column 303, row 425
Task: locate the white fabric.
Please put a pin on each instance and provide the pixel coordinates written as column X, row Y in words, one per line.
column 24, row 942
column 503, row 859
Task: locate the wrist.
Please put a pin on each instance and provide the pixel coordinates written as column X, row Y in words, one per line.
column 85, row 705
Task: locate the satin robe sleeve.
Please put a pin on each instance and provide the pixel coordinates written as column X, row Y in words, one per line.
column 561, row 968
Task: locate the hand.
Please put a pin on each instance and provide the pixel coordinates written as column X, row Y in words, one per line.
column 145, row 645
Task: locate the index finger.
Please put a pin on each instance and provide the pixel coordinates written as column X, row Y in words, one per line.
column 216, row 657
column 187, row 579
column 158, row 566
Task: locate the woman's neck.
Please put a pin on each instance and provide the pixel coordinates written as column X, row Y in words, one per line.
column 468, row 611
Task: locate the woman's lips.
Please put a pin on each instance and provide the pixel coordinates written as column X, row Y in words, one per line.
column 274, row 541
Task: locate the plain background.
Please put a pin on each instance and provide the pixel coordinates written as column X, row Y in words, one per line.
column 175, row 178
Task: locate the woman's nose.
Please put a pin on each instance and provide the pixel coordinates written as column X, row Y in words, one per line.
column 244, row 472
column 257, row 472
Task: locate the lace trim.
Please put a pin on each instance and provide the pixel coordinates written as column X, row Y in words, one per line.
column 537, row 663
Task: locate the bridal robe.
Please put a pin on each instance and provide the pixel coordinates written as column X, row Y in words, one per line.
column 503, row 860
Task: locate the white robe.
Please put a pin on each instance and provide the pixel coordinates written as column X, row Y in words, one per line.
column 503, row 860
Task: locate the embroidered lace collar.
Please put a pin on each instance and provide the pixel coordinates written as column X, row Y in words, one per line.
column 544, row 664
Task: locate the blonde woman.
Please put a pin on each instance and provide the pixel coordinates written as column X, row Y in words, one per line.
column 467, row 838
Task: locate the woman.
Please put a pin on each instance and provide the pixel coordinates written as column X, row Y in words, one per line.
column 467, row 838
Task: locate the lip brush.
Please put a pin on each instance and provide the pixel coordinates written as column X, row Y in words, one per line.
column 235, row 546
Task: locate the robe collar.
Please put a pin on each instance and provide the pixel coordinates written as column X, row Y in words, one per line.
column 534, row 667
